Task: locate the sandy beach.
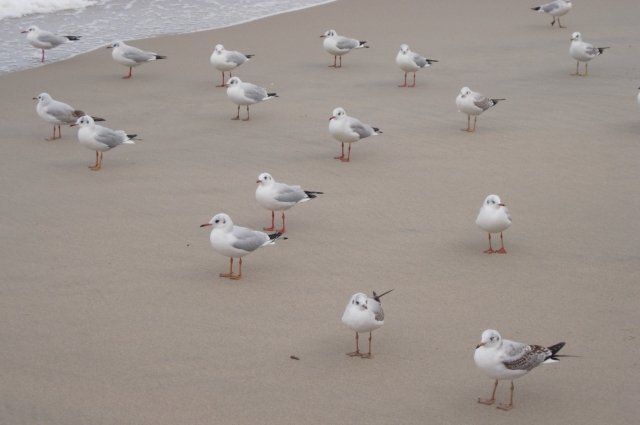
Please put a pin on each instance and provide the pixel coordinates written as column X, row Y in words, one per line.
column 111, row 308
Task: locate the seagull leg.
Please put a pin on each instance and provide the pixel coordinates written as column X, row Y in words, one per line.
column 222, row 85
column 54, row 134
column 414, row 80
column 510, row 405
column 239, row 275
column 237, row 117
column 245, row 119
column 94, row 166
column 490, row 250
column 501, row 250
column 230, row 269
column 368, row 355
column 42, row 60
column 283, row 229
column 405, row 81
column 559, row 24
column 357, row 352
column 341, row 157
column 490, row 401
column 554, row 21
column 130, row 71
column 348, row 155
column 335, row 62
column 577, row 68
column 59, row 133
column 586, row 69
column 99, row 162
column 273, row 224
column 475, row 118
column 468, row 129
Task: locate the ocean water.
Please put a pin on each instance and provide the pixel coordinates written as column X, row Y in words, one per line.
column 102, row 21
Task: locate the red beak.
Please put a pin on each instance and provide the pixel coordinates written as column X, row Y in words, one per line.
column 205, row 225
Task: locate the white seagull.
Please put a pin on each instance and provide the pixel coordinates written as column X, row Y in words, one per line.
column 409, row 61
column 583, row 52
column 235, row 241
column 131, row 56
column 246, row 94
column 504, row 359
column 472, row 103
column 226, row 60
column 346, row 129
column 100, row 139
column 276, row 196
column 338, row 45
column 494, row 217
column 363, row 314
column 556, row 8
column 57, row 113
column 46, row 40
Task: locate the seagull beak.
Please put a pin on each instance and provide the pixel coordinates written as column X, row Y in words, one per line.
column 205, row 225
column 34, row 98
column 501, row 205
column 24, row 32
column 109, row 46
column 257, row 181
column 322, row 36
column 480, row 345
column 331, row 118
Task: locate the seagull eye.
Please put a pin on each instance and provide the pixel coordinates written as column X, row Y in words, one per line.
column 217, row 221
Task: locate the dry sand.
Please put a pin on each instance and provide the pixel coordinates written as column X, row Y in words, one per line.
column 112, row 311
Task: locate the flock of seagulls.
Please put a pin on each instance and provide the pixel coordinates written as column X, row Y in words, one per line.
column 499, row 359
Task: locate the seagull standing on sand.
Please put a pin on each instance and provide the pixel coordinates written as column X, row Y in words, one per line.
column 131, row 56
column 100, row 139
column 583, row 52
column 235, row 241
column 556, row 8
column 45, row 40
column 494, row 217
column 276, row 196
column 472, row 103
column 246, row 94
column 346, row 129
column 57, row 113
column 363, row 314
column 338, row 45
column 504, row 359
column 226, row 60
column 409, row 61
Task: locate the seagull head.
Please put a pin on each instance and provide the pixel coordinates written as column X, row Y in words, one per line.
column 219, row 48
column 493, row 201
column 576, row 36
column 490, row 338
column 359, row 301
column 115, row 45
column 465, row 91
column 264, row 178
column 404, row 49
column 43, row 98
column 84, row 121
column 233, row 81
column 329, row 33
column 337, row 114
column 219, row 221
column 32, row 28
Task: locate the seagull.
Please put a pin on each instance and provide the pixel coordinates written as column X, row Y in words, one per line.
column 410, row 61
column 583, row 52
column 494, row 217
column 100, row 139
column 131, row 56
column 556, row 8
column 226, row 60
column 346, row 129
column 472, row 103
column 364, row 314
column 276, row 196
column 504, row 359
column 45, row 40
column 57, row 113
column 246, row 94
column 338, row 45
column 235, row 241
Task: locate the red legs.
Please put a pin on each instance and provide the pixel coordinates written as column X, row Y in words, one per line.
column 283, row 228
column 356, row 353
column 230, row 275
column 335, row 62
column 341, row 157
column 273, row 223
column 510, row 405
column 130, row 71
column 490, row 401
column 586, row 69
column 469, row 129
column 491, row 250
column 368, row 355
column 405, row 81
column 222, row 85
column 98, row 164
column 54, row 133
